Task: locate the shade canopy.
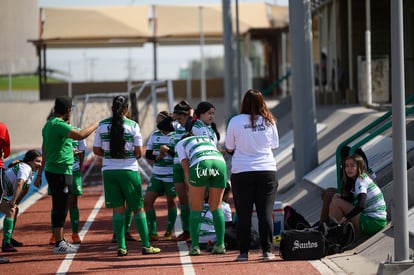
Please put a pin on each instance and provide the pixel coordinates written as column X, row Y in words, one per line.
column 137, row 24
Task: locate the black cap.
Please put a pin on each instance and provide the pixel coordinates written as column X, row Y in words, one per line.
column 166, row 124
column 63, row 104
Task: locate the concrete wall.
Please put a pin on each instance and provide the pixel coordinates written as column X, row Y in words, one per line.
column 214, row 87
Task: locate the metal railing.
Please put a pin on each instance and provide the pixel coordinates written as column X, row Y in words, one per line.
column 367, row 138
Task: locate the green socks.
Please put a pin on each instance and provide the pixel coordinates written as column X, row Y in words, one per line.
column 118, row 223
column 219, row 225
column 195, row 224
column 172, row 216
column 128, row 219
column 152, row 222
column 8, row 225
column 185, row 216
column 141, row 224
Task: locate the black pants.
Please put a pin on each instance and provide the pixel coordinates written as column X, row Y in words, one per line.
column 60, row 188
column 259, row 188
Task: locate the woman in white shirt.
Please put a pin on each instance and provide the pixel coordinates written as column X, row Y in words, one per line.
column 251, row 137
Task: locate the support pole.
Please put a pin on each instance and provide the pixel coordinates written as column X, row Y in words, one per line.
column 303, row 94
column 228, row 59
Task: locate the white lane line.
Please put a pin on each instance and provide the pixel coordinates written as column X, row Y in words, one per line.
column 188, row 268
column 64, row 266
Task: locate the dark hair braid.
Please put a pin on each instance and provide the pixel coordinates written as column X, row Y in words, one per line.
column 117, row 138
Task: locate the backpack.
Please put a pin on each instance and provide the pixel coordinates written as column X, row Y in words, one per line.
column 338, row 236
column 294, row 220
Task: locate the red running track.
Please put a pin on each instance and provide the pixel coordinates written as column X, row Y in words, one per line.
column 97, row 255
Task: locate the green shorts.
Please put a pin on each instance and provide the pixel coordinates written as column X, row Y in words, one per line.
column 210, row 173
column 178, row 173
column 162, row 187
column 370, row 225
column 77, row 183
column 122, row 186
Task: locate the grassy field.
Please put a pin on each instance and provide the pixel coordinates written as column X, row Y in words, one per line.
column 23, row 82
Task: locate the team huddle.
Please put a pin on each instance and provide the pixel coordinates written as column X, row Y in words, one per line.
column 189, row 168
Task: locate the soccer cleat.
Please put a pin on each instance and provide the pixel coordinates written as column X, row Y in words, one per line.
column 4, row 260
column 16, row 243
column 185, row 236
column 218, row 249
column 122, row 252
column 113, row 238
column 243, row 257
column 168, row 236
column 75, row 238
column 52, row 239
column 194, row 251
column 64, row 248
column 268, row 256
column 150, row 250
column 153, row 237
column 8, row 247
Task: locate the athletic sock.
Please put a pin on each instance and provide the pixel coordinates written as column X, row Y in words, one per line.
column 185, row 216
column 7, row 229
column 152, row 221
column 195, row 224
column 128, row 219
column 219, row 225
column 141, row 224
column 118, row 221
column 172, row 216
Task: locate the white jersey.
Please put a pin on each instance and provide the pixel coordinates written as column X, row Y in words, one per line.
column 198, row 148
column 133, row 138
column 178, row 135
column 21, row 171
column 163, row 168
column 207, row 231
column 201, row 129
column 375, row 204
column 252, row 146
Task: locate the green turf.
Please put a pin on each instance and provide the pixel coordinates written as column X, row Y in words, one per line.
column 23, row 82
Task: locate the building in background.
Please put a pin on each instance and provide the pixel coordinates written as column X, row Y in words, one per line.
column 18, row 21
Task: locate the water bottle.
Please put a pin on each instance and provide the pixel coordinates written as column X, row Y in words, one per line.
column 255, row 221
column 278, row 222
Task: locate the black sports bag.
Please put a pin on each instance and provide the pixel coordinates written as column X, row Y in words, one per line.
column 306, row 244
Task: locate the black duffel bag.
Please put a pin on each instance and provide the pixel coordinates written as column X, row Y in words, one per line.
column 306, row 244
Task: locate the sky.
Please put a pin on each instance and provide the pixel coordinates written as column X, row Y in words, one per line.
column 118, row 64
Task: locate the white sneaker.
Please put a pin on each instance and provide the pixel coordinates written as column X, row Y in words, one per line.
column 64, row 248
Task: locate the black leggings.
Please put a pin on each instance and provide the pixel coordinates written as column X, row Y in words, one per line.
column 259, row 188
column 60, row 196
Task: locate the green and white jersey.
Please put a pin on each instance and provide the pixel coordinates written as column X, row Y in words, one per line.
column 132, row 135
column 375, row 204
column 78, row 145
column 11, row 175
column 198, row 148
column 201, row 129
column 178, row 135
column 163, row 168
